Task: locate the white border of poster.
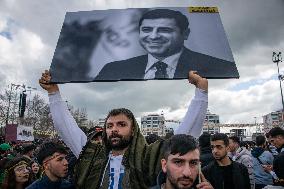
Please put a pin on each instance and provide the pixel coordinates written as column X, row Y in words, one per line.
column 91, row 40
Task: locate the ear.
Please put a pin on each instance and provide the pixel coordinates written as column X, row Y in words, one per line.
column 186, row 33
column 228, row 148
column 45, row 166
column 164, row 165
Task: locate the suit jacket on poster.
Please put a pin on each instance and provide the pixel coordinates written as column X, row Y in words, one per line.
column 134, row 68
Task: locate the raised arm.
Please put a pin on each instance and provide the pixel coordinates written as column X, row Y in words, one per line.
column 193, row 120
column 63, row 121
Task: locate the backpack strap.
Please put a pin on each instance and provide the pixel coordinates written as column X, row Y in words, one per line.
column 259, row 160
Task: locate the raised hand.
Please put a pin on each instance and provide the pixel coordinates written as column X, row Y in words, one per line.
column 204, row 183
column 197, row 80
column 44, row 82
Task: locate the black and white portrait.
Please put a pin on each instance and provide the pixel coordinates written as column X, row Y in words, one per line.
column 142, row 44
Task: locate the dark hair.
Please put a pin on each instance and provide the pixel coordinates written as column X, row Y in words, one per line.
column 152, row 138
column 220, row 136
column 276, row 131
column 181, row 20
column 9, row 181
column 278, row 166
column 179, row 144
column 260, row 140
column 118, row 111
column 267, row 135
column 235, row 139
column 48, row 149
column 245, row 144
column 204, row 140
column 38, row 175
column 27, row 148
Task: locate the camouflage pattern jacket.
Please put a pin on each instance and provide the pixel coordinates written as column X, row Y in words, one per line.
column 141, row 161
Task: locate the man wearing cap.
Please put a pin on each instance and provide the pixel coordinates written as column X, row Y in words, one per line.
column 28, row 151
column 4, row 157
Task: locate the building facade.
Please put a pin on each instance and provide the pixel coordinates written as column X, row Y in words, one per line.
column 211, row 123
column 273, row 118
column 153, row 124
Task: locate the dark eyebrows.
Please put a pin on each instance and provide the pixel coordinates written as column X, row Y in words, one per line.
column 181, row 159
column 166, row 28
column 218, row 146
column 119, row 123
column 122, row 123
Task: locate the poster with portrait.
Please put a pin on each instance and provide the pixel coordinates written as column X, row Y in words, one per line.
column 142, row 44
column 25, row 133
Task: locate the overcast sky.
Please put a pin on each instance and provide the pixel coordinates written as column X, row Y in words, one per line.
column 29, row 31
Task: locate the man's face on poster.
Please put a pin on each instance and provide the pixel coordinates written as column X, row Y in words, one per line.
column 161, row 37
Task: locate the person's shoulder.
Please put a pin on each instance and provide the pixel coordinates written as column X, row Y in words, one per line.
column 201, row 58
column 191, row 53
column 239, row 166
column 266, row 153
column 65, row 184
column 208, row 167
column 124, row 69
column 34, row 185
column 155, row 187
column 126, row 62
column 273, row 187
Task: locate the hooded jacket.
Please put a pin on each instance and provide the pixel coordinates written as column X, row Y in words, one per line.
column 261, row 157
column 46, row 183
column 141, row 162
column 244, row 157
column 206, row 156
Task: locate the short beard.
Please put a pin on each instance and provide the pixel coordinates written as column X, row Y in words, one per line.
column 174, row 182
column 221, row 158
column 123, row 143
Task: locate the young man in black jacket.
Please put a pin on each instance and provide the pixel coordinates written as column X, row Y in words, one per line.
column 205, row 149
column 224, row 173
column 181, row 165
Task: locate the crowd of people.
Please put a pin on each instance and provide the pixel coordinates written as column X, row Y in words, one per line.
column 119, row 156
column 211, row 161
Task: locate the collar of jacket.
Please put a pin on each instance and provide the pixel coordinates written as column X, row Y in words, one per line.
column 45, row 181
column 206, row 150
column 257, row 151
column 281, row 149
column 138, row 143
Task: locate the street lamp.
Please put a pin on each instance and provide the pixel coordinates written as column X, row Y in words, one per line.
column 12, row 88
column 276, row 58
column 9, row 100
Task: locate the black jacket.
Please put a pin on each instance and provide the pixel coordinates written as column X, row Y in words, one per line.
column 206, row 156
column 134, row 68
column 45, row 183
column 213, row 173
